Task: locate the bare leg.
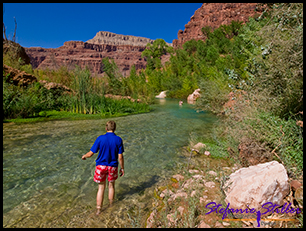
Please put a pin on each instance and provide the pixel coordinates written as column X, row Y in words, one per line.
column 111, row 192
column 100, row 196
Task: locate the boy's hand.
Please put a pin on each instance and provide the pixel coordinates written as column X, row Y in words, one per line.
column 121, row 172
column 87, row 155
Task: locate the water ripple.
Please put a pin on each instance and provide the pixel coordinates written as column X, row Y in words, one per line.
column 46, row 184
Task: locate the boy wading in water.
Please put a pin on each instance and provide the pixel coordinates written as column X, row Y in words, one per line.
column 111, row 150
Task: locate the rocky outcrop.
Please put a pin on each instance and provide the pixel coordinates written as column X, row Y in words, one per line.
column 15, row 51
column 18, row 78
column 23, row 79
column 214, row 15
column 109, row 38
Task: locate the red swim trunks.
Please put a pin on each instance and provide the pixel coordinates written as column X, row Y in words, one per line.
column 101, row 172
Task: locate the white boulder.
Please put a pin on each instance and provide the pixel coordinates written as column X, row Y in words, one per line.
column 256, row 185
column 193, row 97
column 161, row 95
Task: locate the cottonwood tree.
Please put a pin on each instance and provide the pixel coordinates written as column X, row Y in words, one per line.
column 153, row 53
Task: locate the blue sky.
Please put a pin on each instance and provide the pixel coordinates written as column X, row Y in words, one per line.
column 49, row 25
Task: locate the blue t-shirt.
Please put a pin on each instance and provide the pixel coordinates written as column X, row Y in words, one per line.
column 110, row 145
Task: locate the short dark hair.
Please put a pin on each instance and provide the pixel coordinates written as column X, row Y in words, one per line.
column 110, row 126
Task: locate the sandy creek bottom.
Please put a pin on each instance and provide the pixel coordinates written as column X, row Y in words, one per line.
column 47, row 184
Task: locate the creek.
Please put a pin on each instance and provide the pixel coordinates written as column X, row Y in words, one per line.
column 47, row 184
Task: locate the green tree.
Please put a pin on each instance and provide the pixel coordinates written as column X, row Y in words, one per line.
column 280, row 77
column 201, row 50
column 190, row 46
column 153, row 53
column 212, row 54
column 114, row 76
column 235, row 26
column 206, row 30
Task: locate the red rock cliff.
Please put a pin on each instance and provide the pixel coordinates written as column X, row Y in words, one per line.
column 86, row 54
column 214, row 15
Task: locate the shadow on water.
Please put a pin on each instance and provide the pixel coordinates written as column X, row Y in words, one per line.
column 139, row 189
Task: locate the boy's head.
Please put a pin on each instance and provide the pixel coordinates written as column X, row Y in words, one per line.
column 110, row 126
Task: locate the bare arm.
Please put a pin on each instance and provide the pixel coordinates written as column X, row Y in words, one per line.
column 121, row 162
column 87, row 155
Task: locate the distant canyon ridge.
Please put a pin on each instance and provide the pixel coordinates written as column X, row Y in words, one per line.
column 126, row 50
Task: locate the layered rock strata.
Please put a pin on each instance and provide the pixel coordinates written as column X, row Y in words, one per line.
column 105, row 37
column 125, row 50
column 86, row 54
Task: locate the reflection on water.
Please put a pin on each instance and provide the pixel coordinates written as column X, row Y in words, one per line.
column 162, row 101
column 47, row 184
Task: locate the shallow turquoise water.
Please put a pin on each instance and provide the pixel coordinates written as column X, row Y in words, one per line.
column 47, row 184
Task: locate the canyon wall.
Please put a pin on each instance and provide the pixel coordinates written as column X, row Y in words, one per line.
column 126, row 50
column 214, row 15
column 87, row 54
column 105, row 37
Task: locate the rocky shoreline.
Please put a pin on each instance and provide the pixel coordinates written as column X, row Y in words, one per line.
column 181, row 201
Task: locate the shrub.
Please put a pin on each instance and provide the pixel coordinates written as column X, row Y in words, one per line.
column 281, row 75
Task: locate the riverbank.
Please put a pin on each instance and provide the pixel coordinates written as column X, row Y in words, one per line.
column 180, row 201
column 45, row 116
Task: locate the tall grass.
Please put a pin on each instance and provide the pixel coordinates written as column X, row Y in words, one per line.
column 135, row 85
column 87, row 97
column 23, row 102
